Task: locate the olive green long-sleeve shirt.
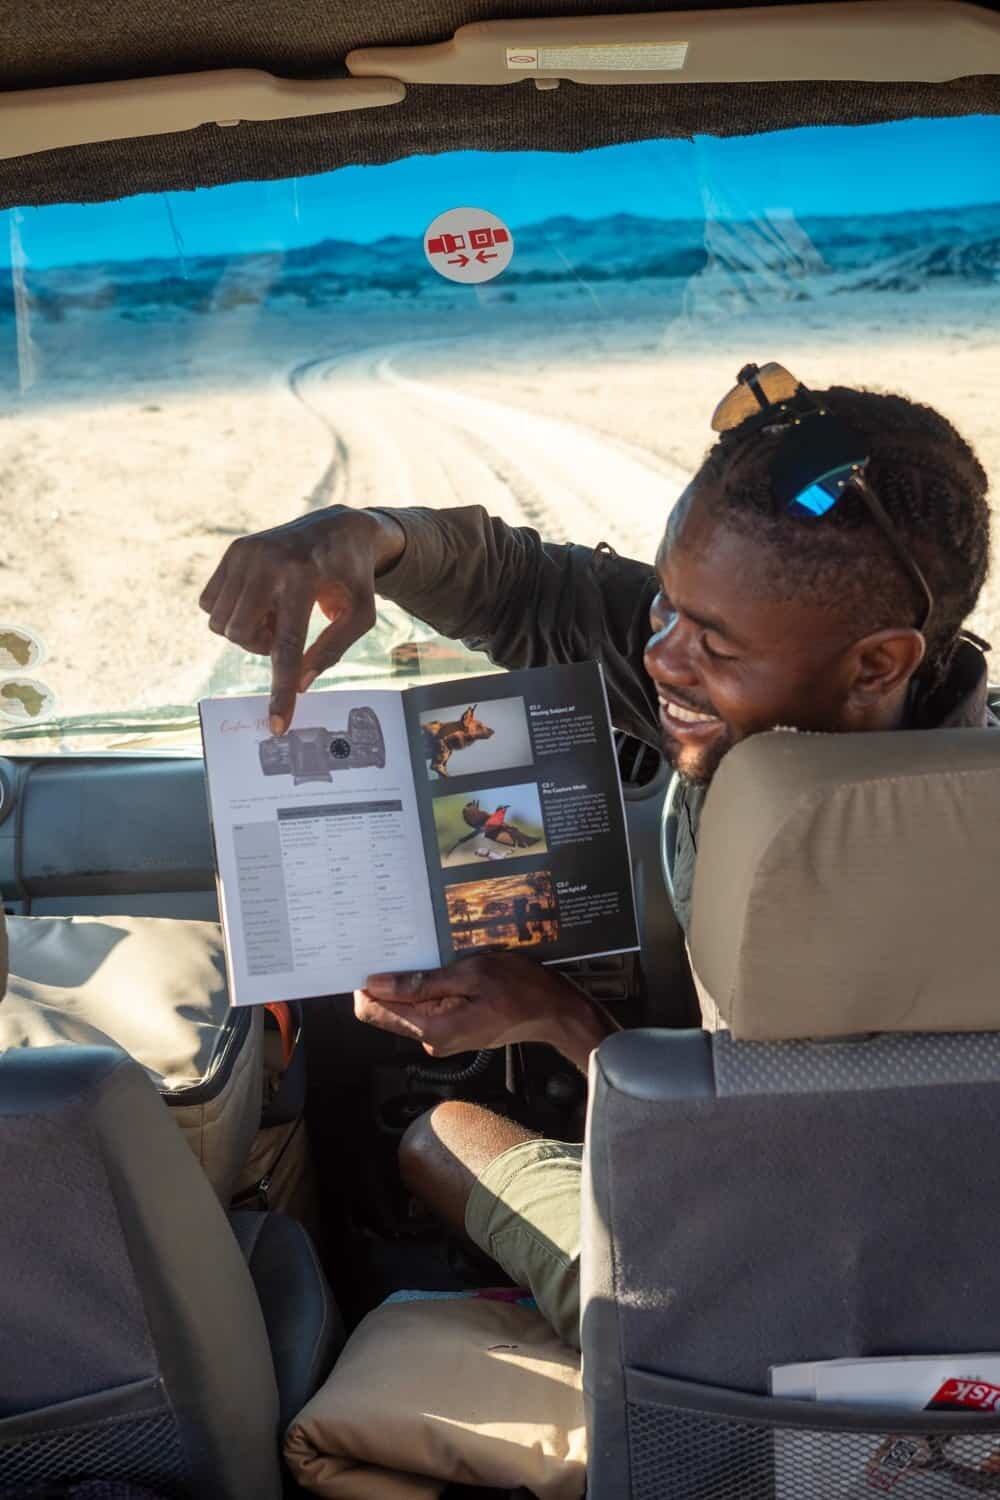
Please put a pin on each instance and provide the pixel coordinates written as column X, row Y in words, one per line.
column 526, row 602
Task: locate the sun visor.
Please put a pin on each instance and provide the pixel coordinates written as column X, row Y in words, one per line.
column 932, row 41
column 42, row 119
column 714, row 72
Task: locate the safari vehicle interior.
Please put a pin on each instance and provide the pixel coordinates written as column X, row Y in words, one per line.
column 216, row 313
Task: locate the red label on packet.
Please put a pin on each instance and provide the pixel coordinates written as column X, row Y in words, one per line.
column 965, row 1395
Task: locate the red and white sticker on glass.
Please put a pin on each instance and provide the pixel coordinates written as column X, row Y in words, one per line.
column 468, row 244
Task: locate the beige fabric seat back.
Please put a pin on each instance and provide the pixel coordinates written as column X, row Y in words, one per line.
column 848, row 883
column 821, row 1181
column 155, row 987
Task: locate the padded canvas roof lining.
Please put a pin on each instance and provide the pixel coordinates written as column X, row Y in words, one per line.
column 76, row 41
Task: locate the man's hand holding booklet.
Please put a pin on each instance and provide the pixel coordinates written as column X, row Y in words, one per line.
column 393, row 831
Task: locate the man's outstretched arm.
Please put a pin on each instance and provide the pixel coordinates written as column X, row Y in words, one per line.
column 470, row 576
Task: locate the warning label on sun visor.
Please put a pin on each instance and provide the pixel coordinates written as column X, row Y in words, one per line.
column 468, row 245
column 616, row 57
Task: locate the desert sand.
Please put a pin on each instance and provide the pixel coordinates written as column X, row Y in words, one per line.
column 135, row 451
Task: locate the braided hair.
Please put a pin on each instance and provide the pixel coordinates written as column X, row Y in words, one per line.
column 931, row 484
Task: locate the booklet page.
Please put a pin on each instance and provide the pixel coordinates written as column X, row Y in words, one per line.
column 318, row 844
column 522, row 814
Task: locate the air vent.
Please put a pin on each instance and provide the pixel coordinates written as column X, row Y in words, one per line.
column 638, row 763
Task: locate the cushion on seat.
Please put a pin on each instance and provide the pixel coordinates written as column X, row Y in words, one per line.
column 472, row 1388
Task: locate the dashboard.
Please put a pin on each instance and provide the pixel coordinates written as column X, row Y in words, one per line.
column 131, row 836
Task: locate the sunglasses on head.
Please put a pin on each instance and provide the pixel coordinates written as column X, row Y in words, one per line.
column 818, row 459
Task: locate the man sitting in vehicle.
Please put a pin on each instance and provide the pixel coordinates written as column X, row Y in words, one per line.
column 815, row 574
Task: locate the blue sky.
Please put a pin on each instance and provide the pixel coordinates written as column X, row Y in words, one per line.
column 869, row 169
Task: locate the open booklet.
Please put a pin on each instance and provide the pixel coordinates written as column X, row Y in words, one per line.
column 399, row 829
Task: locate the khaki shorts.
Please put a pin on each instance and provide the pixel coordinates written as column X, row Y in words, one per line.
column 524, row 1212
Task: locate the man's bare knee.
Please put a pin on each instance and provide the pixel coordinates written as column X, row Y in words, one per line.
column 421, row 1153
column 443, row 1152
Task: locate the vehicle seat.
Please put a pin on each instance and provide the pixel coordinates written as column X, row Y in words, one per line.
column 156, row 987
column 819, row 1181
column 137, row 1344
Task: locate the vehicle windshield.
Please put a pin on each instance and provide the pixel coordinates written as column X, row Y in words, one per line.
column 179, row 369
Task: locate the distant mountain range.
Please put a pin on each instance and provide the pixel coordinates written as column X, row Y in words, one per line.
column 897, row 252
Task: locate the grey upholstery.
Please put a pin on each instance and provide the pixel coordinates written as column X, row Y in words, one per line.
column 843, row 1063
column 304, row 1327
column 836, row 1202
column 134, row 1346
column 754, row 1203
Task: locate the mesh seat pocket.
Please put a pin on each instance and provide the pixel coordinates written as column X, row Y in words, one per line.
column 88, row 1439
column 707, row 1443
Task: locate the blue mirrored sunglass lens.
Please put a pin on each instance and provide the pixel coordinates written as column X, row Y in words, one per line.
column 813, row 501
column 823, row 491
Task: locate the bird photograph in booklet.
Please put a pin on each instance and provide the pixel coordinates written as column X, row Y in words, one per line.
column 496, row 824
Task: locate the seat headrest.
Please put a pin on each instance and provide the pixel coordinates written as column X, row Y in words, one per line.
column 851, row 883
